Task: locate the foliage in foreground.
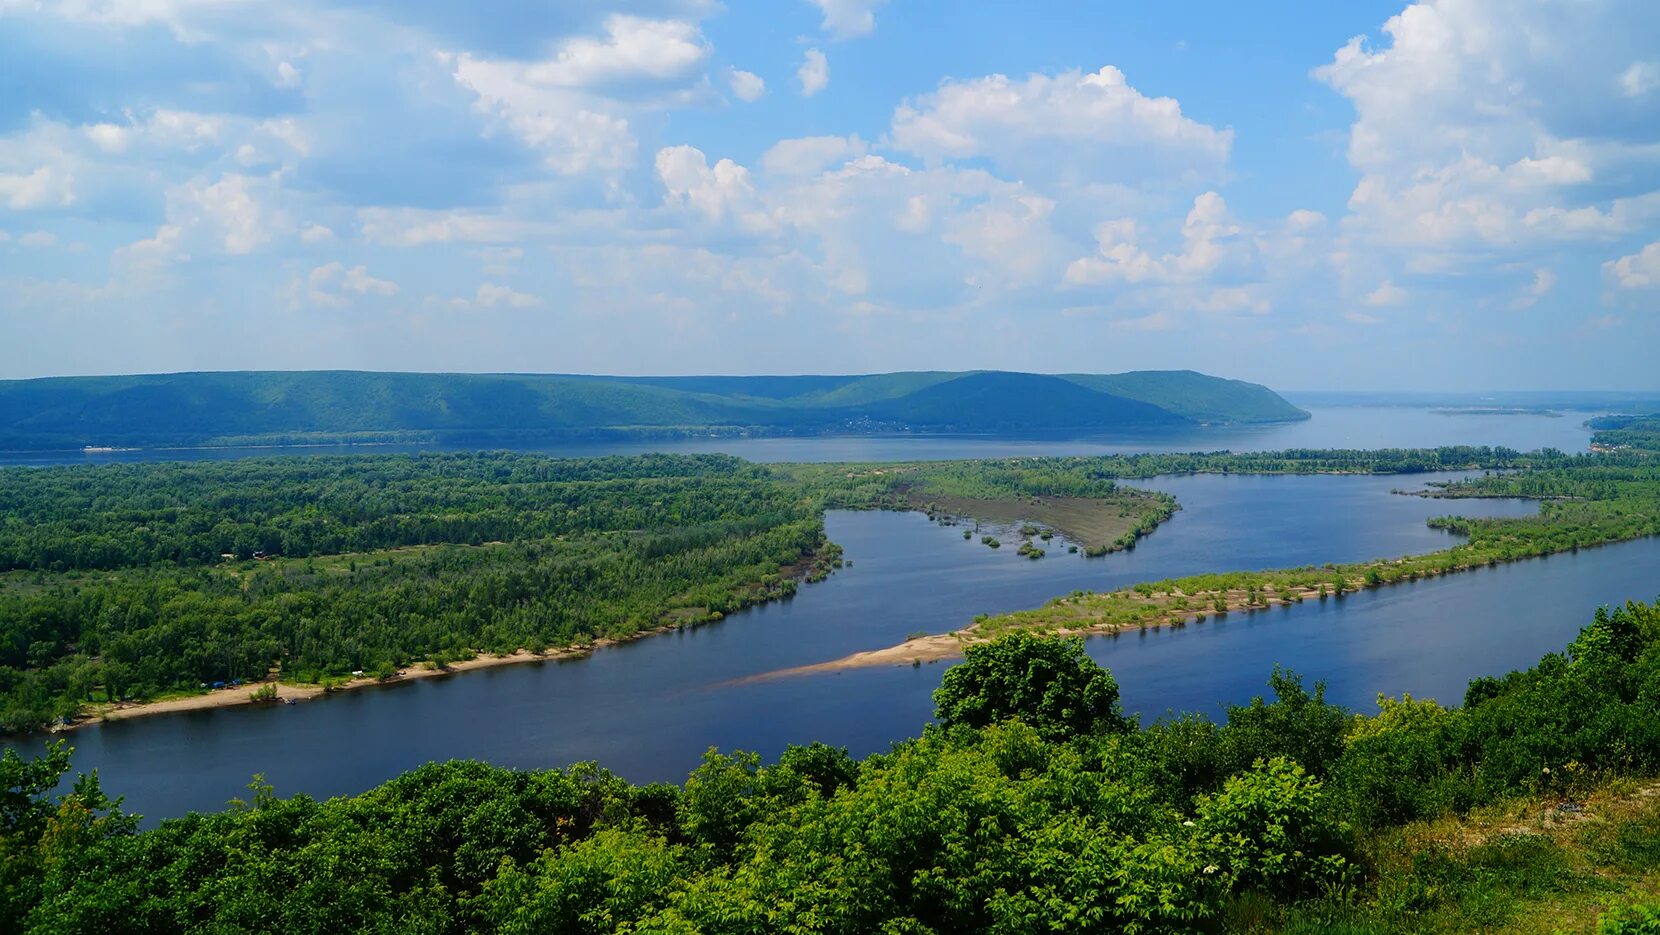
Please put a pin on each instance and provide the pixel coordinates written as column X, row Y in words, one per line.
column 1015, row 814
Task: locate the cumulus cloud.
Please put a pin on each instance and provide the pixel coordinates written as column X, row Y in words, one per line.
column 233, row 209
column 746, row 85
column 43, row 187
column 417, row 227
column 573, row 106
column 1640, row 270
column 1504, row 124
column 1091, row 128
column 330, row 285
column 1640, row 79
column 1387, row 293
column 1544, row 280
column 845, row 19
column 493, row 295
column 814, row 73
column 719, row 192
column 1214, row 245
column 571, row 130
column 633, row 50
column 809, row 155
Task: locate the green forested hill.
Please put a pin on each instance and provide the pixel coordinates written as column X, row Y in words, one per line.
column 285, row 407
column 1195, row 395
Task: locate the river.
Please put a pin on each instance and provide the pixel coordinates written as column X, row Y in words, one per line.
column 649, row 709
column 1329, row 427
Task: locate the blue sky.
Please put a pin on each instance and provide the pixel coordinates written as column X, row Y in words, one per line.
column 1458, row 194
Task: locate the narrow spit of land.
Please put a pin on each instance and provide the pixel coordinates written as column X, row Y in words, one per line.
column 130, row 590
column 124, row 589
column 1587, row 501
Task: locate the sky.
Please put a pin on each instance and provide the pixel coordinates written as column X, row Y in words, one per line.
column 1447, row 194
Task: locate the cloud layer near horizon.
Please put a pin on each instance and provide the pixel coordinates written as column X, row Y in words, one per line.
column 658, row 186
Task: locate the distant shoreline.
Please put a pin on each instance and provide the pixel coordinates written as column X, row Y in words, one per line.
column 627, row 436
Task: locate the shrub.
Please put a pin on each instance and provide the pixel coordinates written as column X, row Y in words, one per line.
column 1051, row 684
column 1269, row 828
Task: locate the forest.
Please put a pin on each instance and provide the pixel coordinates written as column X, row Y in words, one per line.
column 127, row 582
column 239, row 408
column 1031, row 803
column 132, row 582
column 1636, row 432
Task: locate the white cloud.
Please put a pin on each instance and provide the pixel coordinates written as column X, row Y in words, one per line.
column 746, row 85
column 1215, row 246
column 233, row 207
column 1544, row 280
column 1303, row 220
column 567, row 127
column 315, row 234
column 44, row 187
column 1361, row 318
column 287, row 75
column 415, row 227
column 38, row 239
column 814, row 73
column 1387, row 293
column 721, row 192
column 845, row 19
column 1640, row 79
column 1492, row 124
column 633, row 49
column 107, row 136
column 1640, row 270
column 1088, row 128
column 492, row 295
column 498, row 261
column 328, row 284
column 142, row 261
column 809, row 155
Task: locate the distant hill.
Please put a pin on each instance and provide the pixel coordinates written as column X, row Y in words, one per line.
column 287, row 407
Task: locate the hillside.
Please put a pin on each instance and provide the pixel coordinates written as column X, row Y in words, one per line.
column 247, row 407
column 1195, row 395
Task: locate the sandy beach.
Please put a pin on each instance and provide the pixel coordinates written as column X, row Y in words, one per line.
column 297, row 692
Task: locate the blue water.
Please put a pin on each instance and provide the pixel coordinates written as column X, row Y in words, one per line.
column 1330, row 427
column 650, row 708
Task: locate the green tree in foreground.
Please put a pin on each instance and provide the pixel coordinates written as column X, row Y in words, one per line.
column 1050, row 684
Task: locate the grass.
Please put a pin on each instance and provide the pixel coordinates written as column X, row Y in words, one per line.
column 1527, row 866
column 1095, row 523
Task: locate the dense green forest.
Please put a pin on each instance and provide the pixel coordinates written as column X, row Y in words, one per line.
column 117, row 588
column 125, row 582
column 1032, row 804
column 128, row 582
column 1638, row 432
column 240, row 408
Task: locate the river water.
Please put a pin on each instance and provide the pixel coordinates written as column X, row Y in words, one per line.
column 1329, row 427
column 649, row 709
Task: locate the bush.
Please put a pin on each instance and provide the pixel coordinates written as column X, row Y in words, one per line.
column 1050, row 684
column 1269, row 828
column 1631, row 920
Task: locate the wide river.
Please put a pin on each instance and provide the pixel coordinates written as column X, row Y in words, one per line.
column 1330, row 427
column 650, row 708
